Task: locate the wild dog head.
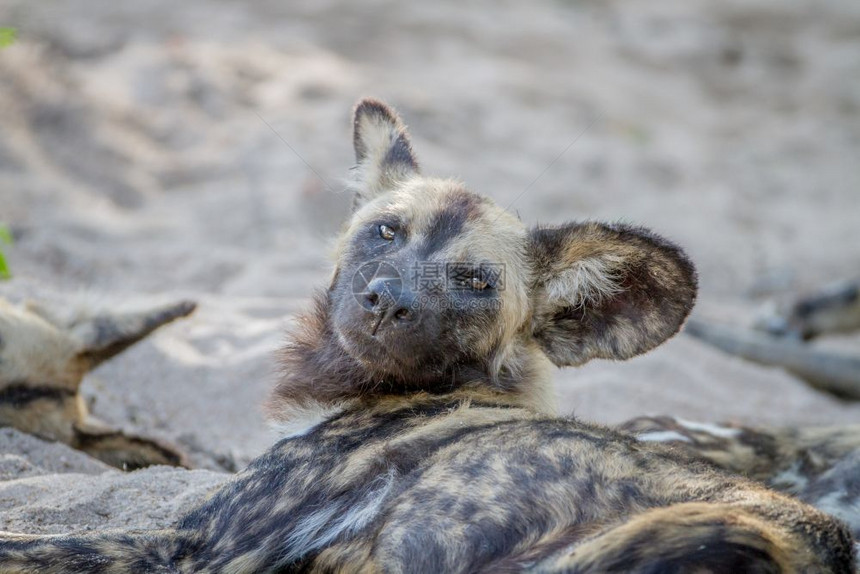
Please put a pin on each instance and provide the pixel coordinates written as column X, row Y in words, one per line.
column 436, row 288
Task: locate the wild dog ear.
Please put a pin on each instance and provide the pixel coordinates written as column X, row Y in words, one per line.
column 607, row 291
column 104, row 336
column 383, row 153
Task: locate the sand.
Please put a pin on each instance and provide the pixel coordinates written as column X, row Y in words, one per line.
column 161, row 150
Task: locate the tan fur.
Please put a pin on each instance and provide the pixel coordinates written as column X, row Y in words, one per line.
column 43, row 360
column 34, row 349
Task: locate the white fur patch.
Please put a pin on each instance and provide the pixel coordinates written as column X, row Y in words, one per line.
column 791, row 479
column 835, row 504
column 715, row 430
column 663, row 436
column 321, row 528
column 299, row 421
column 586, row 282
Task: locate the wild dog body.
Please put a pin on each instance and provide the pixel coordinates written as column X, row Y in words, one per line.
column 43, row 361
column 818, row 465
column 453, row 484
column 833, row 309
column 434, row 447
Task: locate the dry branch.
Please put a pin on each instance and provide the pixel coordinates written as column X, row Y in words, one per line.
column 833, row 372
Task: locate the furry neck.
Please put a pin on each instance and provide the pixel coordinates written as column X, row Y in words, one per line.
column 319, row 375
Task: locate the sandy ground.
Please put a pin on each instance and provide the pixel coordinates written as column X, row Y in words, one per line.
column 161, row 150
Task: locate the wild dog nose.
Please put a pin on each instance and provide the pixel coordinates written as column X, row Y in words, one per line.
column 387, row 298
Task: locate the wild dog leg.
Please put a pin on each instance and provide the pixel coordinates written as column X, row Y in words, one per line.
column 43, row 360
column 834, row 309
column 703, row 537
column 128, row 452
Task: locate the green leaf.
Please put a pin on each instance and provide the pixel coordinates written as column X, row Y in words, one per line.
column 8, row 36
column 5, row 237
column 4, row 269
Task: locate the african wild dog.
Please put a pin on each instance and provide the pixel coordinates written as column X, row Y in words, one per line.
column 833, row 309
column 818, row 465
column 43, row 360
column 430, row 444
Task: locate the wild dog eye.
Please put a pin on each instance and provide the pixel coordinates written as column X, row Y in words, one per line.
column 474, row 283
column 479, row 284
column 466, row 276
column 386, row 232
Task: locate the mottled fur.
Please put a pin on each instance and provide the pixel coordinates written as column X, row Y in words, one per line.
column 451, row 484
column 819, row 465
column 43, row 360
column 432, row 446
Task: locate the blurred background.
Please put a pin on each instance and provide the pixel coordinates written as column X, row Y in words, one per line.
column 197, row 149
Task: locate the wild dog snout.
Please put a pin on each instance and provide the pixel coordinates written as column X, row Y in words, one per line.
column 390, row 302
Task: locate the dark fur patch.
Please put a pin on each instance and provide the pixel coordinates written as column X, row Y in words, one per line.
column 447, row 224
column 400, row 152
column 21, row 394
column 713, row 556
column 315, row 367
column 127, row 452
column 846, row 296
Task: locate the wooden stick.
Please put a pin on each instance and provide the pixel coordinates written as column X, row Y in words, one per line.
column 833, row 372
